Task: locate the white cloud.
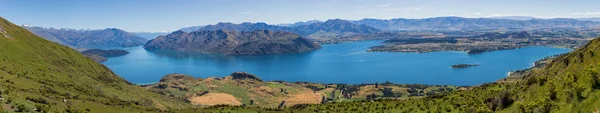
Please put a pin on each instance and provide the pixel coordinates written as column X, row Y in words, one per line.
column 325, row 5
column 361, row 7
column 391, row 9
column 249, row 13
column 414, row 8
column 385, row 5
column 587, row 13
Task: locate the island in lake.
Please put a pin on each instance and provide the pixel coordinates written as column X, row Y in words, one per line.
column 229, row 42
column 461, row 66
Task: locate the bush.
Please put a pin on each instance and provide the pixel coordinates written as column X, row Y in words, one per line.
column 37, row 100
column 503, row 100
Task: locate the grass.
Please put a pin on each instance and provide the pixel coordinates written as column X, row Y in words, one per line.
column 38, row 75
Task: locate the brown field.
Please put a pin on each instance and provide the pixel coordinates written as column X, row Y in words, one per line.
column 307, row 97
column 211, row 99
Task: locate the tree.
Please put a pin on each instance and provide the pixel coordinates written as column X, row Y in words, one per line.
column 281, row 105
column 387, row 92
column 371, row 96
column 323, row 100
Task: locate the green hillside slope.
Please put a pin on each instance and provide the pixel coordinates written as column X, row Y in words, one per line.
column 39, row 75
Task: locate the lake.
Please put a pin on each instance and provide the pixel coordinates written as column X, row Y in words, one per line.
column 334, row 63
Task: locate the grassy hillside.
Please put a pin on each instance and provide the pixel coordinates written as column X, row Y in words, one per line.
column 246, row 89
column 568, row 84
column 39, row 75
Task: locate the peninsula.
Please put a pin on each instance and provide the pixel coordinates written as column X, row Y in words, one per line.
column 229, row 42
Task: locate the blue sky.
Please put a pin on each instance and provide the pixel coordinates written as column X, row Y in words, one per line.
column 169, row 15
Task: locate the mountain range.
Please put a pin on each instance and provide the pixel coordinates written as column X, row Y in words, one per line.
column 336, row 28
column 313, row 29
column 149, row 35
column 459, row 23
column 89, row 39
column 233, row 42
column 530, row 17
column 301, row 23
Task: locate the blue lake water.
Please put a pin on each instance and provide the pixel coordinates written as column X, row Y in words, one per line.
column 334, row 63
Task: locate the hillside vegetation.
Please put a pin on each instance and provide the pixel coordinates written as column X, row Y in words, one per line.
column 245, row 89
column 37, row 75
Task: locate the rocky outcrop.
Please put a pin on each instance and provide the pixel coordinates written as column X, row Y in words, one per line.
column 4, row 33
column 228, row 42
column 244, row 75
column 176, row 77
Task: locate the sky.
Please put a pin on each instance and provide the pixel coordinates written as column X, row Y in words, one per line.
column 170, row 15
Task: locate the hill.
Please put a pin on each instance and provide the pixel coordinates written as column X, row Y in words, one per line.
column 100, row 55
column 89, row 39
column 41, row 76
column 242, row 88
column 230, row 42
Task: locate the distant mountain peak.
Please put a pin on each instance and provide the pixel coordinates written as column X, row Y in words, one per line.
column 461, row 23
column 515, row 17
column 89, row 39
